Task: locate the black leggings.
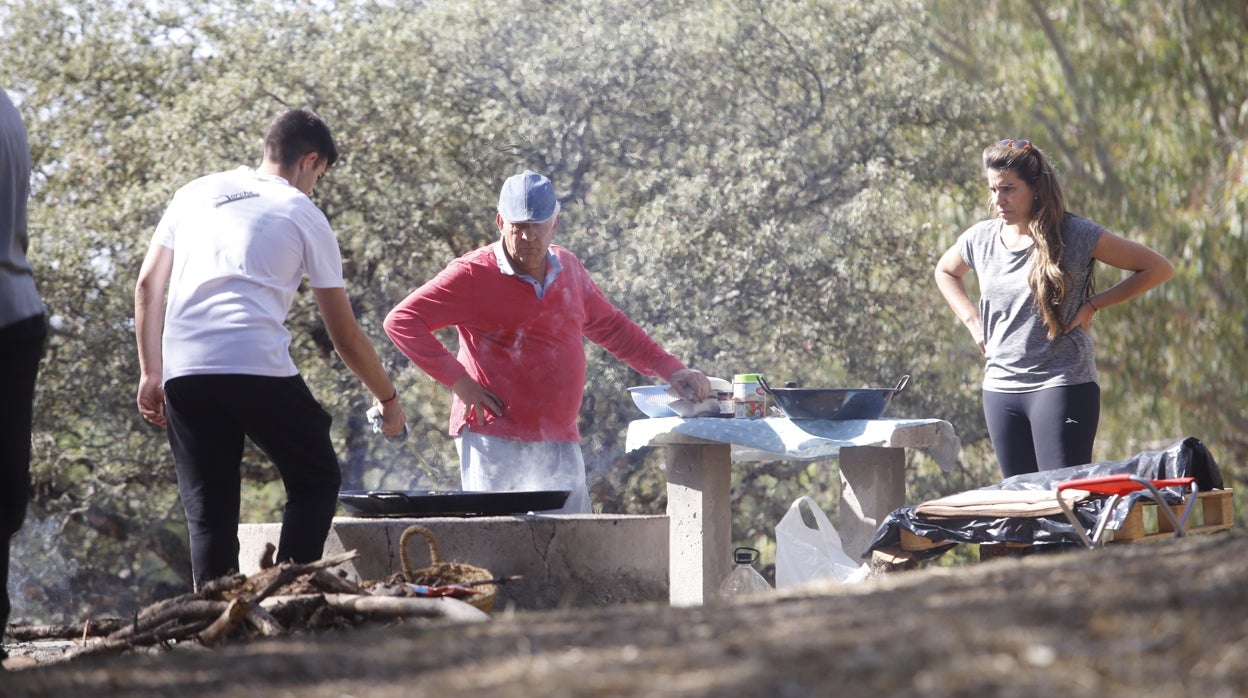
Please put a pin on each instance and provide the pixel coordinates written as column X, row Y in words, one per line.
column 1044, row 429
column 208, row 417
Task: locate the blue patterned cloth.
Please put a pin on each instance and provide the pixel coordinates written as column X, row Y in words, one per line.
column 780, row 438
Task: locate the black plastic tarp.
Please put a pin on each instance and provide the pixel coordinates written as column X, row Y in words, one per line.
column 1186, row 458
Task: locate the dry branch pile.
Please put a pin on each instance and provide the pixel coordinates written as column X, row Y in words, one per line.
column 277, row 600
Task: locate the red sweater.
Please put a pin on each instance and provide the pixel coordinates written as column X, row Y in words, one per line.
column 526, row 350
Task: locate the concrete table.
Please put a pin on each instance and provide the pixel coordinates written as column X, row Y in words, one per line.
column 699, row 454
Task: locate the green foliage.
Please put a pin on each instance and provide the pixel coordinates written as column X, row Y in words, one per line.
column 763, row 185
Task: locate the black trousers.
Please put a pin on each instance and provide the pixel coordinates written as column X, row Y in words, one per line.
column 208, row 418
column 21, row 348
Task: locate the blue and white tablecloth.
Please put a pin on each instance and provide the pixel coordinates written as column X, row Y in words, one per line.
column 780, row 438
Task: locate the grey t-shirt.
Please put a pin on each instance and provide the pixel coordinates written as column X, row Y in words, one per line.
column 1020, row 357
column 19, row 298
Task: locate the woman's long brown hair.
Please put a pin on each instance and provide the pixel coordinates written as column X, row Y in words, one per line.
column 1048, row 281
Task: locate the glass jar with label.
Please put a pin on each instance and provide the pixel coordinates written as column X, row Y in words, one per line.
column 748, row 398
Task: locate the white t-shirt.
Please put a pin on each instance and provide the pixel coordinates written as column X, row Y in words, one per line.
column 242, row 242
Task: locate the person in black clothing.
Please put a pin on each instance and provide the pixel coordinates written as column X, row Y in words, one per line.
column 22, row 337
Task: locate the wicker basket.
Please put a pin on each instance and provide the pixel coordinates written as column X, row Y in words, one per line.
column 441, row 573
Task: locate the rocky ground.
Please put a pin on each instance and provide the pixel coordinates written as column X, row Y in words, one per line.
column 1163, row 618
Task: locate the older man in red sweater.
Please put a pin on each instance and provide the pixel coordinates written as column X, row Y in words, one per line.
column 522, row 306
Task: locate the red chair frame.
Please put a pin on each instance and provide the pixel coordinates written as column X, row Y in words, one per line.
column 1117, row 486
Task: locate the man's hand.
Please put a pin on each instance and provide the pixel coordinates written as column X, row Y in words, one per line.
column 151, row 400
column 477, row 399
column 691, row 384
column 393, row 418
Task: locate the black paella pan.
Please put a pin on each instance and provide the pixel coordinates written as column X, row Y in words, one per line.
column 426, row 503
column 834, row 403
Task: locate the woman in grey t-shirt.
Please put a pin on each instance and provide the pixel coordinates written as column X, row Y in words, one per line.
column 1034, row 262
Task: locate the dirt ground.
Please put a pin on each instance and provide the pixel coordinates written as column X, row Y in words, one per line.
column 1151, row 619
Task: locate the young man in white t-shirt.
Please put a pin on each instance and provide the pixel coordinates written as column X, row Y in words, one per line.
column 232, row 249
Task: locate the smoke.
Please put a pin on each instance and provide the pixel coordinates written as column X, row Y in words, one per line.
column 39, row 576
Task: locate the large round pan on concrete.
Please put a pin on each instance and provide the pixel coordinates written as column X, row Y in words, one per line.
column 416, row 503
column 834, row 403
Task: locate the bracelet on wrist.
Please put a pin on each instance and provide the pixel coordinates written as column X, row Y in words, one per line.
column 390, row 399
column 1094, row 308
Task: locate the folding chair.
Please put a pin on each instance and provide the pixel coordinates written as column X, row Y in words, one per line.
column 1117, row 486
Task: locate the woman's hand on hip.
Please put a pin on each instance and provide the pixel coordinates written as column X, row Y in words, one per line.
column 1083, row 318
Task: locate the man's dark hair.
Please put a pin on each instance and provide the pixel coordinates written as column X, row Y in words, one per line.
column 297, row 133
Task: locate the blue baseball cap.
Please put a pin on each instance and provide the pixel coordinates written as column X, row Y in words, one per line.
column 527, row 198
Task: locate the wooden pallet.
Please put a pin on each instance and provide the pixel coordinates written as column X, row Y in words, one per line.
column 1214, row 511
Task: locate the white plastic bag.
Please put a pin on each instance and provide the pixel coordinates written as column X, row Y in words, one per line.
column 804, row 554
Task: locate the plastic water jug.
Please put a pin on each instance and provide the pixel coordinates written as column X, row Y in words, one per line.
column 743, row 579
